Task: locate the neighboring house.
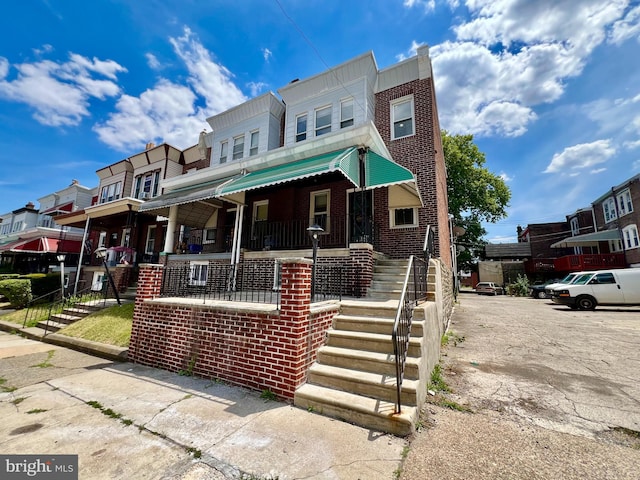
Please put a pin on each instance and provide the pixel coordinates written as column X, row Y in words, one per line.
column 614, row 242
column 113, row 220
column 30, row 239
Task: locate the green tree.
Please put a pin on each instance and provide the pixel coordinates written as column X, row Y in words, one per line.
column 476, row 195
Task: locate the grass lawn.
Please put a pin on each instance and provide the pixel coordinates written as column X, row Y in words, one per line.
column 16, row 317
column 111, row 326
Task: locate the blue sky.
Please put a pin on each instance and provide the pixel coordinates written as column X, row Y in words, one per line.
column 550, row 89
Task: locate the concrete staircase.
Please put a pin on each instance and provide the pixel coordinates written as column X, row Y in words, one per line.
column 73, row 314
column 388, row 279
column 354, row 377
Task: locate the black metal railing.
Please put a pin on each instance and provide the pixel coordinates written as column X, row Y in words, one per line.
column 329, row 282
column 251, row 282
column 44, row 307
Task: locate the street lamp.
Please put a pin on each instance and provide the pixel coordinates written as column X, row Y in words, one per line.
column 61, row 257
column 314, row 231
column 101, row 253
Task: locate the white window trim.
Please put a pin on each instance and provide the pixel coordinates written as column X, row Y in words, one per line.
column 205, row 234
column 312, row 204
column 609, row 210
column 625, row 204
column 315, row 121
column 224, row 156
column 615, row 246
column 306, row 130
column 575, row 227
column 352, row 118
column 151, row 230
column 195, row 280
column 631, row 237
column 392, row 218
column 397, row 101
column 235, row 142
column 277, row 275
column 253, row 149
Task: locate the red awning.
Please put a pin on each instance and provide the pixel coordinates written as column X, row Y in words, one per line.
column 64, row 208
column 46, row 245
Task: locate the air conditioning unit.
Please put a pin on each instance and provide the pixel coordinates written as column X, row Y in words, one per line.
column 145, row 196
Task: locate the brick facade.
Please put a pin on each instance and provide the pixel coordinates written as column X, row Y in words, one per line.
column 259, row 349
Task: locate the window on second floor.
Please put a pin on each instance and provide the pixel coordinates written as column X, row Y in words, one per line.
column 301, row 127
column 575, row 227
column 147, row 185
column 625, row 205
column 224, row 151
column 17, row 226
column 609, row 210
column 402, row 117
column 630, row 235
column 111, row 192
column 6, row 228
column 253, row 147
column 346, row 113
column 238, row 147
column 323, row 120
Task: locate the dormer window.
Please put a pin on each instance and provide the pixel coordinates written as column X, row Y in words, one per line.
column 238, row 147
column 402, row 116
column 301, row 127
column 346, row 113
column 323, row 121
column 111, row 192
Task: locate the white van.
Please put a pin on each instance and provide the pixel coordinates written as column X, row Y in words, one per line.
column 602, row 287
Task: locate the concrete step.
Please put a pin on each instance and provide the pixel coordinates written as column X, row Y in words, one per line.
column 52, row 327
column 374, row 362
column 383, row 309
column 79, row 311
column 372, row 342
column 66, row 319
column 375, row 385
column 365, row 411
column 358, row 323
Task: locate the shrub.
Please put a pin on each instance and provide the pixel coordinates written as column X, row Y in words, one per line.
column 519, row 288
column 42, row 283
column 17, row 291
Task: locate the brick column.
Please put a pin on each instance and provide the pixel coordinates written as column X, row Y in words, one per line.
column 149, row 285
column 295, row 306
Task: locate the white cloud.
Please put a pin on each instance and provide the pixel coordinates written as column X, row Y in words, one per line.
column 413, row 51
column 267, row 54
column 60, row 93
column 500, row 67
column 256, row 87
column 46, row 48
column 152, row 61
column 428, row 5
column 636, row 165
column 505, row 177
column 580, row 157
column 626, row 28
column 169, row 111
column 631, row 145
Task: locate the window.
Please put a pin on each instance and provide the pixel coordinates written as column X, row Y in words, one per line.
column 125, row 239
column 150, row 245
column 301, row 127
column 615, row 246
column 156, row 182
column 602, row 278
column 253, row 148
column 146, row 185
column 102, row 239
column 209, row 236
column 111, row 192
column 346, row 113
column 198, row 273
column 404, row 217
column 5, row 229
column 402, row 117
column 630, row 235
column 17, row 226
column 323, row 121
column 320, row 209
column 224, row 151
column 238, row 147
column 575, row 227
column 609, row 209
column 624, row 203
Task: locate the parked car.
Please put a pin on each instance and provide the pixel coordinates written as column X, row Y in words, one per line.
column 603, row 287
column 538, row 291
column 488, row 288
column 569, row 279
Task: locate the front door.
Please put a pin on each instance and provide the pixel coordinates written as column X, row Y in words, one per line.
column 361, row 216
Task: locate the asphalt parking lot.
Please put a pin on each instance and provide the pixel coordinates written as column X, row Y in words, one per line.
column 551, row 393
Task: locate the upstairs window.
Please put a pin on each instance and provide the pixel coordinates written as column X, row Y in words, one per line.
column 5, row 229
column 402, row 118
column 575, row 227
column 609, row 210
column 630, row 235
column 253, row 148
column 111, row 192
column 224, row 151
column 17, row 226
column 625, row 205
column 323, row 121
column 346, row 113
column 146, row 185
column 238, row 147
column 301, row 127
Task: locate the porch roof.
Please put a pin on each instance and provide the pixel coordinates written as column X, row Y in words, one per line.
column 343, row 161
column 588, row 239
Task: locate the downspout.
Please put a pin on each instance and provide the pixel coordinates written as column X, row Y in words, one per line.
column 84, row 242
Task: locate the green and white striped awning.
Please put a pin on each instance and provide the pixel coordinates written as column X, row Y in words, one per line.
column 343, row 161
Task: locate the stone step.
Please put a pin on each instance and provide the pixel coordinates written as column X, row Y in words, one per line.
column 358, row 323
column 375, row 385
column 374, row 362
column 66, row 319
column 385, row 309
column 52, row 327
column 79, row 311
column 365, row 411
column 388, row 277
column 372, row 342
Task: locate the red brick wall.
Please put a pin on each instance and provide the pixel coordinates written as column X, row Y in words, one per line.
column 422, row 154
column 260, row 350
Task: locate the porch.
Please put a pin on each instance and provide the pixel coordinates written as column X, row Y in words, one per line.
column 575, row 263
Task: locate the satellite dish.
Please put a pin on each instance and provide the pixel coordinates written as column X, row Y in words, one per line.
column 461, row 248
column 459, row 231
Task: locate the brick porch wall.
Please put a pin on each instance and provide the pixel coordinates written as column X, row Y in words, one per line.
column 259, row 349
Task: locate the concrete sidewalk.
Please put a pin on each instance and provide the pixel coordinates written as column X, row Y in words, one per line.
column 130, row 421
